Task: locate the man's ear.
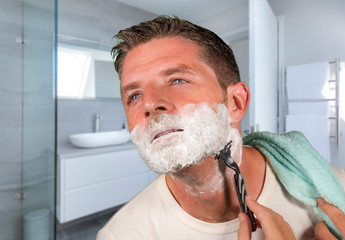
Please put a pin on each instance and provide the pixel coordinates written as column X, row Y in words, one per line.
column 238, row 97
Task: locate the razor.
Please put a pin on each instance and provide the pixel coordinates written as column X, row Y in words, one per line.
column 240, row 188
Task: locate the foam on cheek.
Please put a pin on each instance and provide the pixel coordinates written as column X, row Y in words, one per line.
column 223, row 121
column 236, row 145
column 187, row 110
column 214, row 126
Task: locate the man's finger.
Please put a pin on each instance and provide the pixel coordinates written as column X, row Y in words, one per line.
column 322, row 232
column 245, row 230
column 273, row 224
column 264, row 214
column 334, row 214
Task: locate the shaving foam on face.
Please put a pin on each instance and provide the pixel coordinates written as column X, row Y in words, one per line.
column 187, row 138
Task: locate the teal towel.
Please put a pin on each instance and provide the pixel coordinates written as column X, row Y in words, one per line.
column 301, row 169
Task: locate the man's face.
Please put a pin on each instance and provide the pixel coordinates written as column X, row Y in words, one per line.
column 162, row 76
column 174, row 105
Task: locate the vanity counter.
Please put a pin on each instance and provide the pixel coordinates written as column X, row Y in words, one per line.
column 67, row 150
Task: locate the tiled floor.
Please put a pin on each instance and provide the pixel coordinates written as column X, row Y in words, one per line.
column 84, row 229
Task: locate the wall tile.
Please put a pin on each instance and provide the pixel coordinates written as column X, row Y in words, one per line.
column 77, row 116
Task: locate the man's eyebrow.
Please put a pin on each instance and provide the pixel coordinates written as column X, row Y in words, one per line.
column 166, row 72
column 178, row 69
column 128, row 87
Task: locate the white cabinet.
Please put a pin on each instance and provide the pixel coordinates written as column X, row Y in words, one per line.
column 89, row 184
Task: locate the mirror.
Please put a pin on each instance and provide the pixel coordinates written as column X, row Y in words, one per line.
column 85, row 70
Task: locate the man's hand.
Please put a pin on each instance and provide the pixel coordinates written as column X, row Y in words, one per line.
column 272, row 224
column 336, row 216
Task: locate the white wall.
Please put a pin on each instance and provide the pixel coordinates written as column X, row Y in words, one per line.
column 230, row 21
column 263, row 66
column 314, row 31
column 97, row 21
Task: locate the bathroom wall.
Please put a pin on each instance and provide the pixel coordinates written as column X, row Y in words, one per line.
column 77, row 116
column 97, row 21
column 314, row 29
column 231, row 23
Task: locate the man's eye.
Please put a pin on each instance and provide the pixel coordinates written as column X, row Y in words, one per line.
column 133, row 97
column 178, row 81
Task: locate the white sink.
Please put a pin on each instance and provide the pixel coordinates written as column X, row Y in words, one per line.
column 100, row 139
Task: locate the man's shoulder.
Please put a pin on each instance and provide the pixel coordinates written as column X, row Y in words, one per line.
column 137, row 212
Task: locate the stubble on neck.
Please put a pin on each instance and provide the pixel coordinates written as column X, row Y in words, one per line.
column 205, row 191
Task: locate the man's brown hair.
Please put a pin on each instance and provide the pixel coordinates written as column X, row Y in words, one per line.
column 215, row 52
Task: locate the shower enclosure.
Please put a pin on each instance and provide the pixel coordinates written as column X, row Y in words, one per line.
column 27, row 122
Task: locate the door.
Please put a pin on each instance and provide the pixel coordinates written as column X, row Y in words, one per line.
column 38, row 129
column 263, row 67
column 10, row 118
column 27, row 122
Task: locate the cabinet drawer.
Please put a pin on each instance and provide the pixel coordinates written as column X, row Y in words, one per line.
column 91, row 199
column 87, row 170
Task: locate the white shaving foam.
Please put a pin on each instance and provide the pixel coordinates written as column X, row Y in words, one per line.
column 205, row 133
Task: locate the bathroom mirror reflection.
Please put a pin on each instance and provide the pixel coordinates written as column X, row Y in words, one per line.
column 85, row 70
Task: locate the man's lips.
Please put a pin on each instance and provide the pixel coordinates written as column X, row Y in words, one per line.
column 165, row 132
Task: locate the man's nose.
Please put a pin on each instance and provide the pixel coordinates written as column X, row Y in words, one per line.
column 156, row 102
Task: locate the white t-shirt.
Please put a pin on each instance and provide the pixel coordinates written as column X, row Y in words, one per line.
column 155, row 214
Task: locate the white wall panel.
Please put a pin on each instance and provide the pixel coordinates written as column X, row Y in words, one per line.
column 263, row 62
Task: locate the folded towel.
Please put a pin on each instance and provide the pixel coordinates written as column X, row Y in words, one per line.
column 301, row 169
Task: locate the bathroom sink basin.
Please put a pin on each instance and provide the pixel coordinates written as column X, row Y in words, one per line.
column 100, row 139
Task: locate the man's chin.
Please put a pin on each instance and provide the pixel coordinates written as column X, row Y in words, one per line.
column 182, row 169
column 172, row 171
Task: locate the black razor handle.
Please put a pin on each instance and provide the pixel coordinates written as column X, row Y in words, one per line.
column 241, row 193
column 240, row 188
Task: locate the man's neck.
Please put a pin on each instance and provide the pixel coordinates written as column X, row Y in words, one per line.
column 206, row 191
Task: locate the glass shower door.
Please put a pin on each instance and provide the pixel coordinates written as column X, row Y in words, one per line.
column 11, row 118
column 38, row 119
column 27, row 122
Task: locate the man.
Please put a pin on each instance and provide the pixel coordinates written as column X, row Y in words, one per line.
column 184, row 101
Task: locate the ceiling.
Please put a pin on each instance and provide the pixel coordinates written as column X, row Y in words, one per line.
column 193, row 10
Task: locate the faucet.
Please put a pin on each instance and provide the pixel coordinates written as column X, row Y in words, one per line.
column 98, row 117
